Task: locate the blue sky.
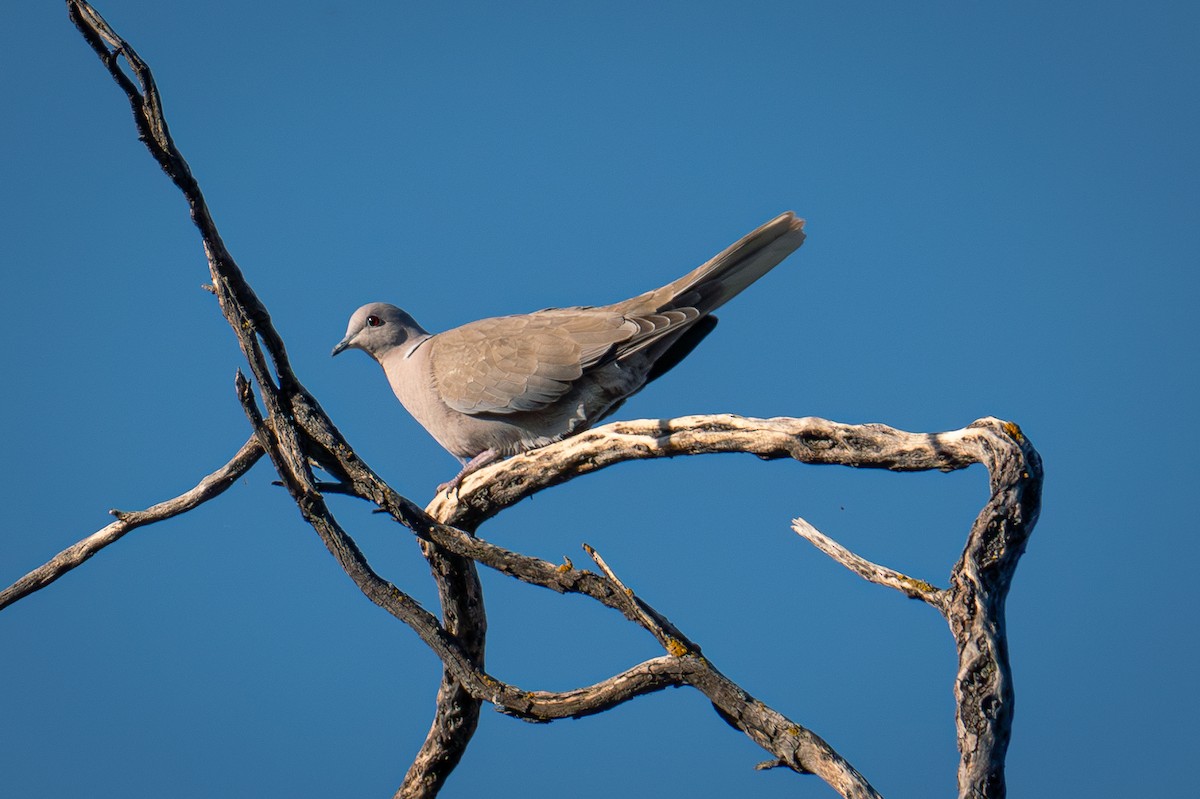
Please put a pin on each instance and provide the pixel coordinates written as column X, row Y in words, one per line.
column 1001, row 204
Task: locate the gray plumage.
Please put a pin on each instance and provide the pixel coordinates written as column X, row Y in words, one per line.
column 505, row 385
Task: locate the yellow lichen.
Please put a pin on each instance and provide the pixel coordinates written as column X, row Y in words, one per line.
column 676, row 648
column 1014, row 431
column 917, row 585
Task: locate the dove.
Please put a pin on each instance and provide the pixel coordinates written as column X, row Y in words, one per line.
column 508, row 384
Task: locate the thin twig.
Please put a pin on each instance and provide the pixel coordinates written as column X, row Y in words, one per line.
column 871, row 572
column 75, row 555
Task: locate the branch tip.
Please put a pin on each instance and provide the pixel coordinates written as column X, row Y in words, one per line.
column 70, row 558
column 869, row 571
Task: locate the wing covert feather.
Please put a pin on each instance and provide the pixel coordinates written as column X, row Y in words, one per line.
column 519, row 363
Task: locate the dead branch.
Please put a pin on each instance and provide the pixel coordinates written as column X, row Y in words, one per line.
column 973, row 604
column 211, row 486
column 871, row 572
column 809, row 440
column 791, row 743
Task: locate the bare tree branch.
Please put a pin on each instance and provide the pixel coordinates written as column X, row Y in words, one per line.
column 456, row 712
column 809, row 440
column 458, row 585
column 973, row 604
column 871, row 572
column 211, row 486
column 788, row 741
column 979, row 585
column 792, row 744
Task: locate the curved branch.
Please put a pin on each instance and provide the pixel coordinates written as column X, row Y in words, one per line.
column 979, row 585
column 493, row 488
column 974, row 602
column 75, row 555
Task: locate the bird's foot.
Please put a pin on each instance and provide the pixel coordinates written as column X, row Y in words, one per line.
column 476, row 463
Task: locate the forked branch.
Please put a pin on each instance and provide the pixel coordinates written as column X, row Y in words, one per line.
column 789, row 742
column 973, row 605
column 295, row 432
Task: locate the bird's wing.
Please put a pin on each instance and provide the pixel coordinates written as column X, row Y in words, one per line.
column 511, row 364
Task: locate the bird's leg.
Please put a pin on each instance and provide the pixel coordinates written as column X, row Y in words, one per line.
column 478, row 462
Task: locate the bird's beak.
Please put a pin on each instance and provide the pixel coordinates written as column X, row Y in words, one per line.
column 341, row 345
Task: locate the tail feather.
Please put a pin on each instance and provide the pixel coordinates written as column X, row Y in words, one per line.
column 714, row 283
column 666, row 315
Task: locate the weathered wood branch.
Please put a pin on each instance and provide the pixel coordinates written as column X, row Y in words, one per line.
column 871, row 572
column 979, row 585
column 973, row 604
column 286, row 399
column 75, row 555
column 809, row 440
column 791, row 743
column 456, row 711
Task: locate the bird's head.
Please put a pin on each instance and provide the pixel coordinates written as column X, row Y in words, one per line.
column 377, row 327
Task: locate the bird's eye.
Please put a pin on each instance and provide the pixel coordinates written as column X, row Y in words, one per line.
column 374, row 321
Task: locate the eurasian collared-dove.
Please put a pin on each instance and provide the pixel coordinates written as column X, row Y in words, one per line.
column 500, row 386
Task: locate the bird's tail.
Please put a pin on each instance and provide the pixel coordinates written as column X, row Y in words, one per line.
column 727, row 274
